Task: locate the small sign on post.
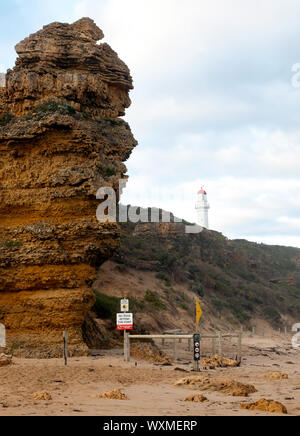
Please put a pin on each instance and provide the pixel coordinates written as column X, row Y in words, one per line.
column 197, row 354
column 125, row 305
column 124, row 321
column 199, row 312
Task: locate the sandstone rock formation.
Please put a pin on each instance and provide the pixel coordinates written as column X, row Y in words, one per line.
column 218, row 362
column 228, row 387
column 5, row 360
column 115, row 394
column 60, row 141
column 196, row 398
column 264, row 405
column 275, row 376
column 150, row 353
column 42, row 396
column 63, row 62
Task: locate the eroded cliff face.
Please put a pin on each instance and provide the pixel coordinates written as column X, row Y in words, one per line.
column 60, row 141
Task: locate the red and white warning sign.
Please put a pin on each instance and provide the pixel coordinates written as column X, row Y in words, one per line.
column 124, row 321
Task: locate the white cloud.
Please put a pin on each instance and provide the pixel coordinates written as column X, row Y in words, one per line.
column 292, row 223
column 213, row 104
column 291, row 241
column 172, row 28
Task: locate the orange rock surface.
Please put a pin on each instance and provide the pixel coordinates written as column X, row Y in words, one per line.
column 276, row 376
column 228, row 387
column 217, row 362
column 116, row 394
column 60, row 141
column 197, row 398
column 266, row 406
column 42, row 396
column 149, row 352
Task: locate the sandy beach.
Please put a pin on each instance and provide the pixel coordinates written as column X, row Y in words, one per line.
column 149, row 387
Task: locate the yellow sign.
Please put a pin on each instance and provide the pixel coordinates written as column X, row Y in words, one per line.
column 199, row 311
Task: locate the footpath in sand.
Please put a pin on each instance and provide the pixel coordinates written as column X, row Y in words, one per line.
column 150, row 388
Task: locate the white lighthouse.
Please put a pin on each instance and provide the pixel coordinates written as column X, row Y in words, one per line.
column 202, row 207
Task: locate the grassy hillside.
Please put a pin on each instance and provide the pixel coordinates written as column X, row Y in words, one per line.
column 237, row 279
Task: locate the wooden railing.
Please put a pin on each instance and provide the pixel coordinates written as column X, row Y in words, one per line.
column 217, row 339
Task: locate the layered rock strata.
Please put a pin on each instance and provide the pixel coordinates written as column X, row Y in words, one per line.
column 60, row 141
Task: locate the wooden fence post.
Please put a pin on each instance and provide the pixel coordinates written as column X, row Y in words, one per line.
column 174, row 350
column 221, row 348
column 240, row 339
column 214, row 344
column 65, row 340
column 126, row 346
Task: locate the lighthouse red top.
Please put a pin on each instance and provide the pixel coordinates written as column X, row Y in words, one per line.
column 202, row 191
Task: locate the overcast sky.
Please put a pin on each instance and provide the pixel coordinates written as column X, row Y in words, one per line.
column 213, row 104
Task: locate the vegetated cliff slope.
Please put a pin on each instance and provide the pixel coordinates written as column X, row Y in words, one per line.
column 238, row 282
column 60, row 141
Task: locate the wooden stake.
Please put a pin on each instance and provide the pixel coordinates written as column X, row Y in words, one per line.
column 65, row 339
column 240, row 339
column 214, row 344
column 126, row 347
column 174, row 350
column 221, row 348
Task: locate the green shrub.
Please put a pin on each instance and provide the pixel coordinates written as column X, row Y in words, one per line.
column 5, row 119
column 136, row 304
column 193, row 270
column 106, row 306
column 165, row 278
column 198, row 288
column 297, row 280
column 242, row 316
column 51, row 107
column 272, row 314
column 108, row 172
column 162, row 276
column 182, row 305
column 152, row 298
column 12, row 244
column 114, row 122
column 218, row 304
